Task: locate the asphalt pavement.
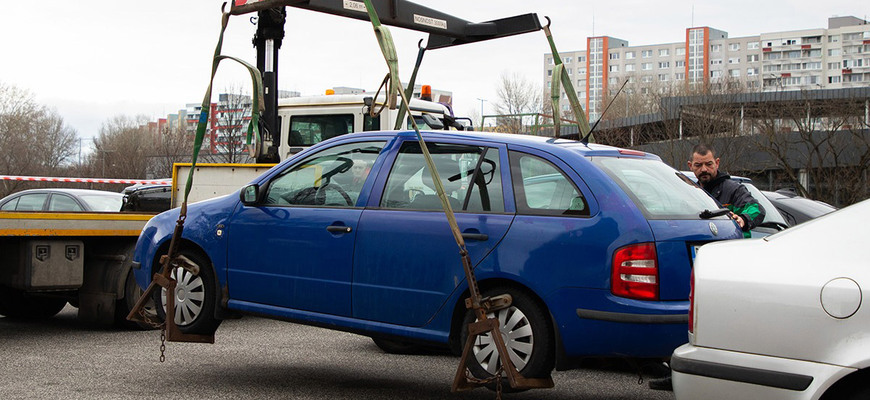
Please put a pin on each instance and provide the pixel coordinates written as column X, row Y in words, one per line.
column 252, row 358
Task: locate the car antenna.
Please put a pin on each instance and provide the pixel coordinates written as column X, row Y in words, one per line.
column 585, row 139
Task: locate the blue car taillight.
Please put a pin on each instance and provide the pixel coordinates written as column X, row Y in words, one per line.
column 635, row 272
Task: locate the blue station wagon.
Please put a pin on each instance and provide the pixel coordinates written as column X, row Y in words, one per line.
column 594, row 244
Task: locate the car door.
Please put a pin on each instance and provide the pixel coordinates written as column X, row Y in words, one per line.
column 294, row 248
column 406, row 262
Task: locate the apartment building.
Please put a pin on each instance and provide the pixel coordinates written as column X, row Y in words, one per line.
column 836, row 57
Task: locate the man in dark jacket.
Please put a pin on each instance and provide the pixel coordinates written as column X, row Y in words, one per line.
column 745, row 210
column 732, row 195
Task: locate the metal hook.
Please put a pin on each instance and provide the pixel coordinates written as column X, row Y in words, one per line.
column 548, row 21
column 420, row 45
column 223, row 6
column 254, row 20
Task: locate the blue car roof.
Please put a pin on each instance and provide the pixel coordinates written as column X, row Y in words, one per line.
column 586, row 150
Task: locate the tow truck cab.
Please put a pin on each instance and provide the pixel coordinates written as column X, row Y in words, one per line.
column 306, row 121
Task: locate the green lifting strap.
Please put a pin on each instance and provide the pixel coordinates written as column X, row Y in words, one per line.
column 385, row 40
column 258, row 106
column 560, row 75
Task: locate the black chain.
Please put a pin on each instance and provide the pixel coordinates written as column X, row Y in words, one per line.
column 163, row 344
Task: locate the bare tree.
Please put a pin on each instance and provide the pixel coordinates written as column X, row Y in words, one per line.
column 122, row 147
column 34, row 138
column 516, row 95
column 173, row 145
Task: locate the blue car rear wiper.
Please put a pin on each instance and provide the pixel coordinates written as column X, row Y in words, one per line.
column 707, row 214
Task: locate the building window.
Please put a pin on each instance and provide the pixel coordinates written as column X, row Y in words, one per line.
column 772, row 56
column 734, row 73
column 752, row 58
column 834, row 65
column 629, row 67
column 679, row 76
column 833, row 38
column 581, row 94
column 751, row 71
column 549, row 72
column 613, row 81
column 550, row 60
column 581, row 58
column 716, row 47
column 815, row 53
column 834, row 79
column 715, row 74
column 663, row 52
column 664, row 64
column 812, row 65
column 569, row 71
column 734, row 46
column 566, row 60
column 716, row 61
column 663, row 77
column 811, row 80
column 646, row 66
column 646, row 53
column 833, row 52
column 752, row 45
column 681, row 51
column 789, row 42
column 581, row 71
column 629, row 55
column 646, row 78
column 734, row 60
column 794, row 54
column 614, row 56
column 614, row 68
column 853, row 63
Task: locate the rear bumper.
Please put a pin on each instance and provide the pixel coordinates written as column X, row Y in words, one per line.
column 594, row 323
column 705, row 373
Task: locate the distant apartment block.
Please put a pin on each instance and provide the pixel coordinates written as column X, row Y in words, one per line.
column 833, row 58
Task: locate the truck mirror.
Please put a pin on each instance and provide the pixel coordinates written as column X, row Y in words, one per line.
column 250, row 194
column 433, row 122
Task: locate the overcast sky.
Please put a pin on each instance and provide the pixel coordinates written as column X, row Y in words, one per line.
column 93, row 59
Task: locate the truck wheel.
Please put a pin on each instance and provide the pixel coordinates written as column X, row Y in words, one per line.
column 528, row 336
column 194, row 297
column 132, row 293
column 15, row 303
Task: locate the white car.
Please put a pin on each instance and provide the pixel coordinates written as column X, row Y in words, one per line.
column 781, row 317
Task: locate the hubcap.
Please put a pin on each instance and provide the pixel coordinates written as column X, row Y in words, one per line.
column 518, row 339
column 189, row 296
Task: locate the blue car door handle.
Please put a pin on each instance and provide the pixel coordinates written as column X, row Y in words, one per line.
column 338, row 229
column 475, row 236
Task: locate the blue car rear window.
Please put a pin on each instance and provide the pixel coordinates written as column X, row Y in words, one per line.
column 660, row 191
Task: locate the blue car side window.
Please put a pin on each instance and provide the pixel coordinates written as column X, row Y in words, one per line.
column 469, row 174
column 542, row 189
column 333, row 177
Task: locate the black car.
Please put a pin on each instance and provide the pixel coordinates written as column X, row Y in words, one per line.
column 796, row 209
column 148, row 198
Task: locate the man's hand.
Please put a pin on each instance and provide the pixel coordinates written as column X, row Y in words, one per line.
column 738, row 219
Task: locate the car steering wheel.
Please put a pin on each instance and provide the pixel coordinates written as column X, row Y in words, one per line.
column 320, row 196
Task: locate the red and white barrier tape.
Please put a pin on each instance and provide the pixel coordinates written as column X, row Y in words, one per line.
column 79, row 180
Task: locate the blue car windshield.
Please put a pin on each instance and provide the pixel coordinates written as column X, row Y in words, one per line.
column 660, row 191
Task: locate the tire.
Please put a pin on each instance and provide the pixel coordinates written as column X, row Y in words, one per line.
column 396, row 347
column 132, row 293
column 529, row 339
column 195, row 297
column 15, row 303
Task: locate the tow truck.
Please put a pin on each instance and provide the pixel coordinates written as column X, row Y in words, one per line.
column 49, row 259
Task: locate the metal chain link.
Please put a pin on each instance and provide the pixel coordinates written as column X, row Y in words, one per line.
column 163, row 344
column 497, row 378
